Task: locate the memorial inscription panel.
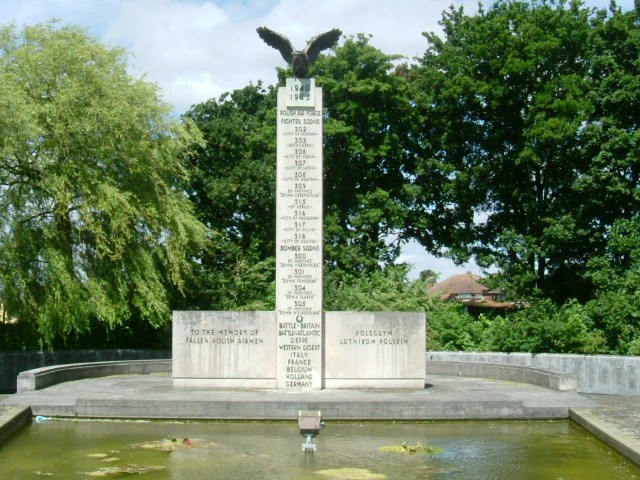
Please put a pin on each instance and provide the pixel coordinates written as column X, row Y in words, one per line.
column 224, row 349
column 299, row 236
column 375, row 349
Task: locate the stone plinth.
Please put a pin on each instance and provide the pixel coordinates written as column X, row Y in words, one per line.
column 239, row 349
column 374, row 350
column 224, row 349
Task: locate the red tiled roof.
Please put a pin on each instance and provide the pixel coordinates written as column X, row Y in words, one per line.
column 459, row 284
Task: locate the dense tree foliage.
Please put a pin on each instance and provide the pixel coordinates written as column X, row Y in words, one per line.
column 92, row 227
column 611, row 140
column 368, row 154
column 615, row 310
column 233, row 182
column 233, row 190
column 530, row 123
column 531, row 127
column 504, row 99
column 513, row 140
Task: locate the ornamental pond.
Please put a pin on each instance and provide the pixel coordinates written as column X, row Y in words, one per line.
column 523, row 450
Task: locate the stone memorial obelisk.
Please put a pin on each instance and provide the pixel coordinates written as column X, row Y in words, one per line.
column 298, row 346
column 299, row 247
column 299, row 236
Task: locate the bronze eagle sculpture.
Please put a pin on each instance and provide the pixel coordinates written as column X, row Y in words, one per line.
column 299, row 59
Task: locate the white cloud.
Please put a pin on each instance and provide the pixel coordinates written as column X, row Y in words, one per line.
column 182, row 45
column 172, row 43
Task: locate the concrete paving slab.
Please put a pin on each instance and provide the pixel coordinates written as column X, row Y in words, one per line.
column 12, row 418
column 153, row 396
column 615, row 420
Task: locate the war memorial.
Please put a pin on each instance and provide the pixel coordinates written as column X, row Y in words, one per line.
column 299, row 346
column 301, row 360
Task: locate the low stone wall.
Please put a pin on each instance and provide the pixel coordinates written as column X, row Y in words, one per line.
column 13, row 418
column 564, row 382
column 602, row 374
column 44, row 377
column 12, row 363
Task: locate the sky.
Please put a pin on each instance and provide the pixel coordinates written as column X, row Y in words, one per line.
column 195, row 50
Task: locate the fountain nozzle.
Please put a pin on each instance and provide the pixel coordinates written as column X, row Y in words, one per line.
column 309, row 423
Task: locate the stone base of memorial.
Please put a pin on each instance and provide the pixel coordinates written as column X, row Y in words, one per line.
column 374, row 350
column 238, row 350
column 224, row 350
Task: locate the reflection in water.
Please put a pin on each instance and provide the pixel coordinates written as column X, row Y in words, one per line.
column 200, row 450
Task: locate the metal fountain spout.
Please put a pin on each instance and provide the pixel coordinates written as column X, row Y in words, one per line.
column 310, row 423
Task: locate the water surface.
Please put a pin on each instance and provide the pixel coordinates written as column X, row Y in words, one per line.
column 466, row 450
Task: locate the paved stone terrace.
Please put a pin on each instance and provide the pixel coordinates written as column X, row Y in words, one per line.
column 152, row 396
column 616, row 420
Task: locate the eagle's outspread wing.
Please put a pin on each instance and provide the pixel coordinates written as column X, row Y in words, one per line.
column 321, row 42
column 299, row 59
column 277, row 41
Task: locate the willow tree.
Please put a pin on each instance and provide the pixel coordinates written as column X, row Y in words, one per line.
column 93, row 222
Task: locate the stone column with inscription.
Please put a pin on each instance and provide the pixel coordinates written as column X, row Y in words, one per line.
column 299, row 246
column 299, row 346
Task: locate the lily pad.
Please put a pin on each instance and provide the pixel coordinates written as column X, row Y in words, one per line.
column 350, row 473
column 418, row 448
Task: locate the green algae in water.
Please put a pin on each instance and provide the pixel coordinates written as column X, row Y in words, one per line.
column 542, row 450
column 417, row 448
column 169, row 445
column 127, row 469
column 350, row 474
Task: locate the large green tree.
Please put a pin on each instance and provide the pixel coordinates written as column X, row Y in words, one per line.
column 367, row 172
column 369, row 155
column 233, row 190
column 611, row 138
column 94, row 225
column 233, row 181
column 505, row 97
column 611, row 134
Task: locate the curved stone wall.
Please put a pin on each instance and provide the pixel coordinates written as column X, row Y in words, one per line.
column 13, row 362
column 602, row 374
